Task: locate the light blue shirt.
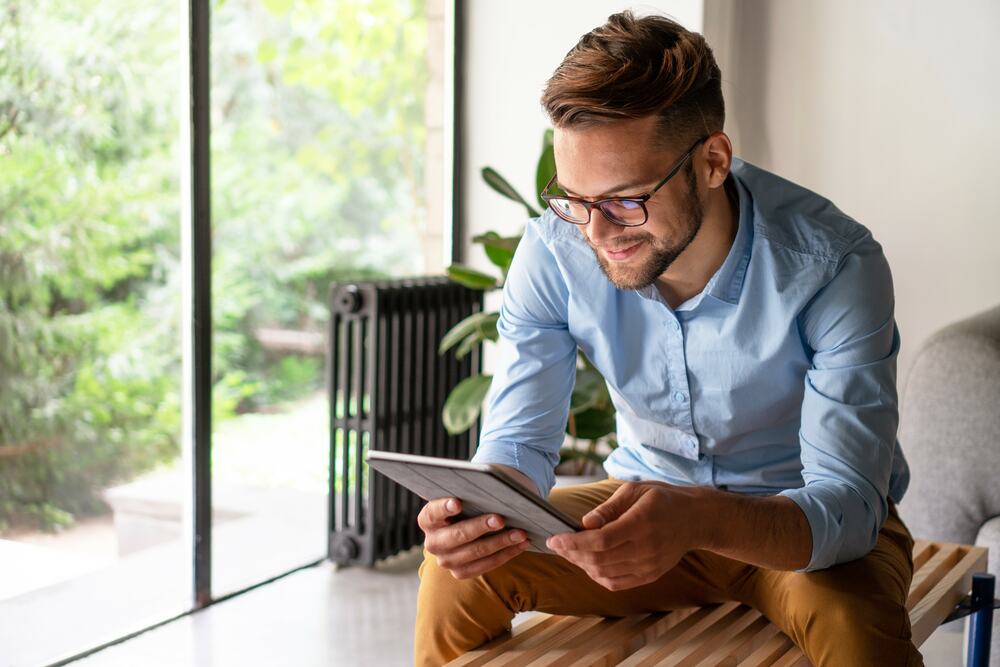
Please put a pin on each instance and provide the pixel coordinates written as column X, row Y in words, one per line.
column 778, row 378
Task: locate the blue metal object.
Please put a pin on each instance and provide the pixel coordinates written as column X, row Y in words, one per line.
column 981, row 605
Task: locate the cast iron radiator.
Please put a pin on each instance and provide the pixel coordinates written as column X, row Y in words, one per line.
column 387, row 386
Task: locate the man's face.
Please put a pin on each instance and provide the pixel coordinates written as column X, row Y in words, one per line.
column 623, row 159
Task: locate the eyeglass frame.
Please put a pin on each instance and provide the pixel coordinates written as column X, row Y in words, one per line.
column 639, row 199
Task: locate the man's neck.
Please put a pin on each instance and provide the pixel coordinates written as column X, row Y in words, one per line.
column 692, row 270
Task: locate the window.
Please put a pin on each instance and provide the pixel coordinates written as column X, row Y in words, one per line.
column 327, row 163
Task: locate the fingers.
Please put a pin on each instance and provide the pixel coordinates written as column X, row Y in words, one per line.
column 436, row 513
column 623, row 571
column 620, row 501
column 483, row 565
column 625, row 556
column 481, row 550
column 611, row 524
column 469, row 547
column 609, row 537
column 448, row 538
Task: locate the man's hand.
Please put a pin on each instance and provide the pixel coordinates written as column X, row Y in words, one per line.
column 634, row 537
column 469, row 547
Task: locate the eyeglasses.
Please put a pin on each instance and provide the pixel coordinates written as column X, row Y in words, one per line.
column 624, row 211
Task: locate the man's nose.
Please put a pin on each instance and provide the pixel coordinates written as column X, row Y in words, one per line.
column 600, row 229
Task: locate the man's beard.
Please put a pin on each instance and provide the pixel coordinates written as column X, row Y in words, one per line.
column 626, row 277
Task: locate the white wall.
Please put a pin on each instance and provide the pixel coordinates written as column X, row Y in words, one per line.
column 890, row 109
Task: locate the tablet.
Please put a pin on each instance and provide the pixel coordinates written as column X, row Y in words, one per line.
column 483, row 488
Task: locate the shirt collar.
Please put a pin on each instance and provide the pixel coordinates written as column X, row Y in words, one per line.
column 727, row 283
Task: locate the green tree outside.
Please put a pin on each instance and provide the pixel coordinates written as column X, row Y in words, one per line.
column 317, row 175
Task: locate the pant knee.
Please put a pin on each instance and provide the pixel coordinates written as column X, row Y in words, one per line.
column 854, row 630
column 454, row 615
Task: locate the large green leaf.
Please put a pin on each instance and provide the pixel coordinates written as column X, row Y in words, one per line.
column 594, row 423
column 500, row 184
column 588, row 392
column 546, row 166
column 478, row 325
column 466, row 345
column 464, row 403
column 470, row 277
column 500, row 249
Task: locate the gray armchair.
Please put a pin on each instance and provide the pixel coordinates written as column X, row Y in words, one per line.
column 950, row 432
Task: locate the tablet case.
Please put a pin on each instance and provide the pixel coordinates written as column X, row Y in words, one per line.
column 481, row 488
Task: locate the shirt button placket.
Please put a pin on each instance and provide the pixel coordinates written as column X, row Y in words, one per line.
column 683, row 391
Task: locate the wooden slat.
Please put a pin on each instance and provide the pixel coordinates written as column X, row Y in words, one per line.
column 611, row 646
column 792, row 658
column 922, row 550
column 703, row 648
column 695, row 626
column 770, row 652
column 737, row 649
column 931, row 572
column 934, row 607
column 521, row 633
column 562, row 634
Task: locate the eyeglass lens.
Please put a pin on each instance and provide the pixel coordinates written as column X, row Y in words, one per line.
column 620, row 211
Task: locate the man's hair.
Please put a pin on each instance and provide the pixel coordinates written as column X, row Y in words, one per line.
column 632, row 68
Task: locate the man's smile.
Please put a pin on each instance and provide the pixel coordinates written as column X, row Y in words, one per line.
column 624, row 253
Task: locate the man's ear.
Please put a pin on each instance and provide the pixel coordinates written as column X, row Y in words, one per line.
column 718, row 159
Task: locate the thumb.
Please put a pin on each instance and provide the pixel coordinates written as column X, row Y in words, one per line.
column 620, row 501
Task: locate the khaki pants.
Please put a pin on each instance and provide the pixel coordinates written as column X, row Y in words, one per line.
column 851, row 614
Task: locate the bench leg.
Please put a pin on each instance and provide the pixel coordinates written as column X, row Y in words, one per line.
column 981, row 622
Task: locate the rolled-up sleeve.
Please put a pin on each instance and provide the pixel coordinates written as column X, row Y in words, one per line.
column 850, row 407
column 529, row 398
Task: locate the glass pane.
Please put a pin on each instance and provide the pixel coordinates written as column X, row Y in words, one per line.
column 322, row 127
column 91, row 543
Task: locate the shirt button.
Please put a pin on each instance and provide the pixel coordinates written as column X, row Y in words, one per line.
column 676, row 325
column 679, row 397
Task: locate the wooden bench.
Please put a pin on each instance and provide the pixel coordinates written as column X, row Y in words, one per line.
column 726, row 634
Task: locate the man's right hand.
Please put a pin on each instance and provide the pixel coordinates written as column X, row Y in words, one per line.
column 469, row 547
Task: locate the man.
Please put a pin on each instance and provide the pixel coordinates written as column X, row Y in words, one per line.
column 745, row 329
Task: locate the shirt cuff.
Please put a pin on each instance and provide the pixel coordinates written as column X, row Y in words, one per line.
column 539, row 467
column 824, row 511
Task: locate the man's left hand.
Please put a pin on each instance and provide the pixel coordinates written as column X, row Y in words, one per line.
column 634, row 537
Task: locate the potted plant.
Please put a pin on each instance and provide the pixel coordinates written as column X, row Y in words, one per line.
column 591, row 421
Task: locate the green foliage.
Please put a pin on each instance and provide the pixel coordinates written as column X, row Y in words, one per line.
column 592, row 414
column 471, row 278
column 471, row 331
column 499, row 249
column 88, row 236
column 317, row 176
column 500, row 184
column 546, row 166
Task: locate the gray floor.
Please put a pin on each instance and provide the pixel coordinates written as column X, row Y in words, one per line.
column 322, row 616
